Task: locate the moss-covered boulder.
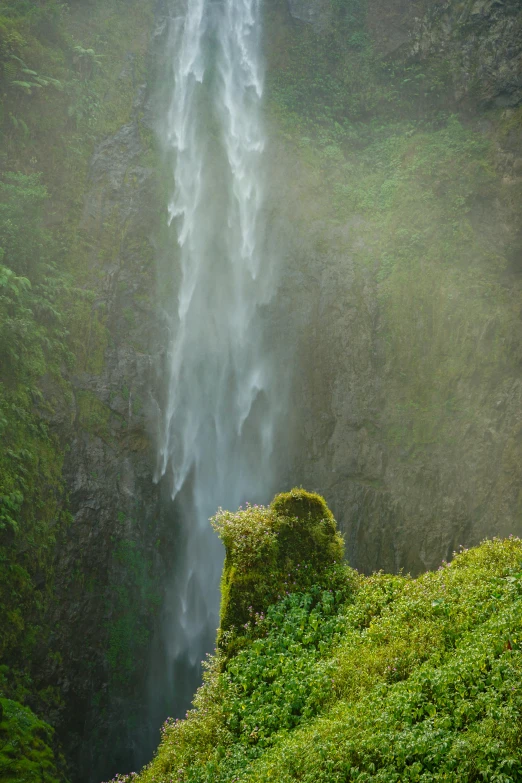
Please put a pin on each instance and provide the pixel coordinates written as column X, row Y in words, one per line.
column 272, row 551
column 26, row 752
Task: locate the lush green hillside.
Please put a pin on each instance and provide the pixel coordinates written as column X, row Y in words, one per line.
column 343, row 677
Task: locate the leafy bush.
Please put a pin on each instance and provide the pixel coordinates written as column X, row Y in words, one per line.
column 26, row 753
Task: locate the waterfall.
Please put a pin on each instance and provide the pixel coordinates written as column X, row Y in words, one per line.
column 220, row 417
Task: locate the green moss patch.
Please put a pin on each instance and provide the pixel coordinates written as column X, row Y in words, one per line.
column 93, row 416
column 135, row 599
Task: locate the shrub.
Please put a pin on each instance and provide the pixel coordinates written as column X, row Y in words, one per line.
column 271, row 552
column 26, row 754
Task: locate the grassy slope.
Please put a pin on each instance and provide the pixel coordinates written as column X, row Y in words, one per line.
column 385, row 679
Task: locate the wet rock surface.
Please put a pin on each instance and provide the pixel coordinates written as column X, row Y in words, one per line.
column 112, row 564
column 407, row 499
column 480, row 40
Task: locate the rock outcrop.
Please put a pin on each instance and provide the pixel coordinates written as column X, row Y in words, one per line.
column 480, row 41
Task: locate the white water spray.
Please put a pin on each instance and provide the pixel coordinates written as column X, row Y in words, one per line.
column 220, row 418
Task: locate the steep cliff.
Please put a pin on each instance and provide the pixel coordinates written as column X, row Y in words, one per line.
column 85, row 540
column 396, row 164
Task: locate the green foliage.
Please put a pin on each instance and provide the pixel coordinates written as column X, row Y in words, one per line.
column 86, row 60
column 67, row 78
column 26, row 747
column 31, row 324
column 270, row 552
column 327, row 87
column 27, row 80
column 22, row 25
column 32, row 343
column 391, row 680
column 31, row 518
column 456, row 714
column 278, row 681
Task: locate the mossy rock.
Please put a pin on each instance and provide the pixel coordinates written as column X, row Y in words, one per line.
column 271, row 552
column 302, row 505
column 26, row 753
column 307, row 531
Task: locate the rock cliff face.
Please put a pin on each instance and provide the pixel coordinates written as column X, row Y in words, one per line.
column 480, row 39
column 113, row 563
column 481, row 42
column 407, row 357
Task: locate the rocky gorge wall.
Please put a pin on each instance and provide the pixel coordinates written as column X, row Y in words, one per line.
column 94, row 574
column 116, row 557
column 398, row 160
column 395, row 170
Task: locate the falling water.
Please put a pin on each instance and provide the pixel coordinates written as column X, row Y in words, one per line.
column 218, row 427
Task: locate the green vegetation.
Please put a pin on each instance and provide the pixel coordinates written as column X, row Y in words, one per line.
column 353, row 678
column 68, row 76
column 441, row 281
column 26, row 754
column 32, row 344
column 271, row 552
column 333, row 89
column 321, row 674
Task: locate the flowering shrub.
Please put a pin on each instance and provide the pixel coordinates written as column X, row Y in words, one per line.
column 247, row 534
